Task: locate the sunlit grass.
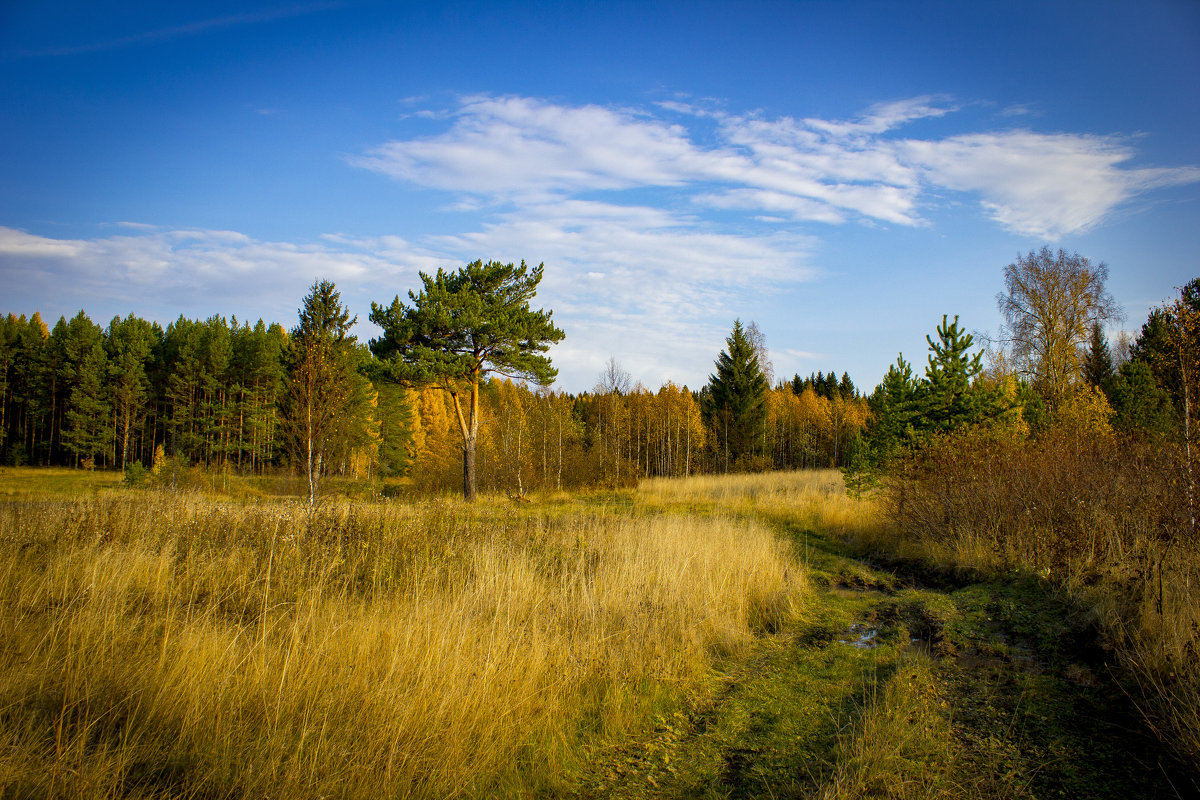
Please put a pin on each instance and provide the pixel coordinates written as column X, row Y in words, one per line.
column 45, row 482
column 813, row 498
column 165, row 643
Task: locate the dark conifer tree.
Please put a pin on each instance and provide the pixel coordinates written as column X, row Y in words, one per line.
column 846, row 387
column 895, row 412
column 84, row 369
column 1098, row 363
column 736, row 399
column 820, row 385
column 1140, row 404
column 130, row 345
column 948, row 399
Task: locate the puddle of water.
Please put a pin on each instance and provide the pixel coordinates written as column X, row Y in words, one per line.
column 919, row 646
column 860, row 635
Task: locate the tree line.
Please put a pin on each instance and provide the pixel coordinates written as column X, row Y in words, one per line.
column 416, row 403
column 1051, row 365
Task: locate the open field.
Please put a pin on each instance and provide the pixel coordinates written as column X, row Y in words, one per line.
column 709, row 637
column 170, row 644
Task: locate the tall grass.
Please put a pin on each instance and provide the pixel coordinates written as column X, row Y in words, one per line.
column 160, row 644
column 813, row 499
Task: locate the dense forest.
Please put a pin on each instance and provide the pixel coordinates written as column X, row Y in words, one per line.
column 222, row 394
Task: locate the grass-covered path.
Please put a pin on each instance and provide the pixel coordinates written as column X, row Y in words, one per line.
column 895, row 686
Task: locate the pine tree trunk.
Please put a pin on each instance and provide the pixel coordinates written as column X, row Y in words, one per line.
column 470, row 433
column 469, row 469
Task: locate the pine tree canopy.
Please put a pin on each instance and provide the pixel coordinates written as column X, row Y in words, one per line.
column 467, row 323
column 462, row 326
column 323, row 316
column 949, row 400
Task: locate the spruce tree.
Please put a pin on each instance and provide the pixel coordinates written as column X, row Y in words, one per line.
column 846, row 387
column 894, row 411
column 1140, row 405
column 1098, row 363
column 736, row 399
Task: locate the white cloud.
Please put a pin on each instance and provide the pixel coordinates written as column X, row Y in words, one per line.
column 655, row 234
column 163, row 273
column 523, row 151
column 515, row 145
column 1044, row 185
column 652, row 288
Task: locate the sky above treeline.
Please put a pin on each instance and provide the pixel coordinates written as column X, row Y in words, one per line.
column 842, row 174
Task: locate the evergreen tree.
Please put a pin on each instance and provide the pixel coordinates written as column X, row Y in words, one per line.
column 215, row 420
column 948, row 400
column 1156, row 346
column 461, row 327
column 1098, row 363
column 846, row 387
column 85, row 367
column 257, row 383
column 183, row 352
column 397, row 421
column 130, row 345
column 9, row 333
column 327, row 400
column 1139, row 403
column 894, row 413
column 736, row 399
column 32, row 392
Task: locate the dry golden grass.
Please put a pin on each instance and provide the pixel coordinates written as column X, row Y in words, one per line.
column 814, row 499
column 157, row 644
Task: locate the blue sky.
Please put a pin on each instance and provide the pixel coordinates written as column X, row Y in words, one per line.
column 840, row 173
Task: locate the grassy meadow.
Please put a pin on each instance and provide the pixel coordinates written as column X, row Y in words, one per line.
column 716, row 636
column 175, row 644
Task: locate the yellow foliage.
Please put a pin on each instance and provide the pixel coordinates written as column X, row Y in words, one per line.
column 1085, row 412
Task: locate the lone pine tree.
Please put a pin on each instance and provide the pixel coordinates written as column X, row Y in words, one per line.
column 461, row 327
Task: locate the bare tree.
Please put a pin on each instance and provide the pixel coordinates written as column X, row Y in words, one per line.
column 759, row 342
column 1049, row 305
column 614, row 378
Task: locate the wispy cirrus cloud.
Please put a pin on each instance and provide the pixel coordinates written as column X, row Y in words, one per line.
column 521, row 150
column 1044, row 185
